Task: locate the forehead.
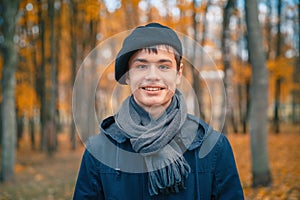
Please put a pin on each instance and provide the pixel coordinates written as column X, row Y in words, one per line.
column 155, row 48
column 145, row 56
column 156, row 51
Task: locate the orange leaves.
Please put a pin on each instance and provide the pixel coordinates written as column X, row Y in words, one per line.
column 284, row 157
column 26, row 99
column 91, row 8
column 281, row 68
column 30, row 10
column 242, row 72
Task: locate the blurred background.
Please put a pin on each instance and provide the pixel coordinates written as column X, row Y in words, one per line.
column 253, row 47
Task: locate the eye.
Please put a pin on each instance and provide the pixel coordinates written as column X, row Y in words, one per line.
column 141, row 66
column 164, row 67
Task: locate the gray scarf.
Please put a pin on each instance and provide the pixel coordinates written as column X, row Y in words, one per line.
column 154, row 140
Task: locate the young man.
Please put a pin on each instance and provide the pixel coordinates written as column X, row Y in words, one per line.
column 151, row 148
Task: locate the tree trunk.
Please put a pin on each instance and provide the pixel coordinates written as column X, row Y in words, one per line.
column 32, row 124
column 259, row 99
column 20, row 128
column 9, row 15
column 276, row 117
column 73, row 19
column 196, row 73
column 228, row 11
column 296, row 77
column 243, row 87
column 32, row 132
column 51, row 89
column 277, row 105
column 268, row 29
column 40, row 79
column 245, row 116
column 278, row 41
column 131, row 14
column 0, row 124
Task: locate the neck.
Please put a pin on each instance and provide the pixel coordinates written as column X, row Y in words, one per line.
column 156, row 110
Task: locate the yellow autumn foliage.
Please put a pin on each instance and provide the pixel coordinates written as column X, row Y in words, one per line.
column 26, row 100
column 281, row 68
column 110, row 23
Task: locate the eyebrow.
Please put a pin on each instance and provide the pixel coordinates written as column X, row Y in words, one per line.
column 146, row 61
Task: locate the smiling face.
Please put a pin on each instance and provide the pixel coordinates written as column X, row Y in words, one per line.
column 153, row 77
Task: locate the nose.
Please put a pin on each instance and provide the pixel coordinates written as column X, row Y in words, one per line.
column 153, row 73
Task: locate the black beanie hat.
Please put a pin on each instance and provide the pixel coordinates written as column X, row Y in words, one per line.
column 142, row 37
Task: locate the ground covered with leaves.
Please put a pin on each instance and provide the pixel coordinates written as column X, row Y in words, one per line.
column 284, row 156
column 39, row 176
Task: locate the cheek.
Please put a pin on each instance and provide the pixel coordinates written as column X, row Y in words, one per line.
column 172, row 81
column 130, row 78
column 133, row 82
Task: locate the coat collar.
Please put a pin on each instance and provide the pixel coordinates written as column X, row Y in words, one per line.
column 192, row 134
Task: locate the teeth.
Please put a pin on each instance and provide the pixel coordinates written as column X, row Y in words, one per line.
column 152, row 89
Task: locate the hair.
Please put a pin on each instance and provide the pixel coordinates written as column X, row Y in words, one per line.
column 153, row 49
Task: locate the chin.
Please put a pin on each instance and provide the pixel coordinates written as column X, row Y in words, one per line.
column 155, row 102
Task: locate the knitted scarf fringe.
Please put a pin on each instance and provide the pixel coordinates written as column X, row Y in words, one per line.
column 170, row 179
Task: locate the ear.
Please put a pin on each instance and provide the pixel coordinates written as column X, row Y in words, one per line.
column 179, row 74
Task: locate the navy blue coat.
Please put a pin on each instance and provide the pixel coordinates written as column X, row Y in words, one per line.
column 103, row 173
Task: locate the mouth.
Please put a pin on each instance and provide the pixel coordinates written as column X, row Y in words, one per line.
column 152, row 88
